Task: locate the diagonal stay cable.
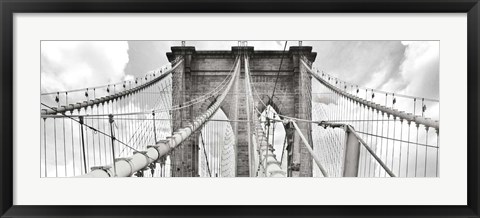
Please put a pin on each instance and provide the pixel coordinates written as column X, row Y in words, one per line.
column 96, row 130
column 280, row 115
column 205, row 152
column 162, row 148
column 198, row 100
column 279, row 68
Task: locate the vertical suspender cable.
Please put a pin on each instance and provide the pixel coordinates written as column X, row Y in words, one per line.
column 55, row 141
column 408, row 147
column 73, row 146
column 416, row 152
column 83, row 144
column 375, row 148
column 369, row 129
column 367, row 119
column 401, row 149
column 98, row 127
column 45, row 144
column 381, row 138
column 426, row 149
column 64, row 147
column 154, row 128
column 365, row 125
column 393, row 142
column 86, row 141
column 371, row 122
column 438, row 144
column 387, row 139
column 112, row 135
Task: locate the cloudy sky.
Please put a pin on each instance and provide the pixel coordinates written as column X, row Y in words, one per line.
column 403, row 67
column 406, row 67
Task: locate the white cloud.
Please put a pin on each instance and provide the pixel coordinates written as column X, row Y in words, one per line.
column 80, row 64
column 420, row 69
column 129, row 78
column 411, row 70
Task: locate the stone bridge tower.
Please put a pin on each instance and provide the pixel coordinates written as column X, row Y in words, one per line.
column 202, row 71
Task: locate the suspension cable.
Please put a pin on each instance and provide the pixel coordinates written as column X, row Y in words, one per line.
column 109, row 97
column 95, row 130
column 417, row 119
column 195, row 101
column 279, row 68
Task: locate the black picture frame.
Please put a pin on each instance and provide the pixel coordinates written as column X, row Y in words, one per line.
column 9, row 7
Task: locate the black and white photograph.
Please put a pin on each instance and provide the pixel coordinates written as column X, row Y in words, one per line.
column 202, row 108
column 279, row 108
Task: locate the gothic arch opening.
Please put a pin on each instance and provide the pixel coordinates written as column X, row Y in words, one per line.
column 217, row 147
